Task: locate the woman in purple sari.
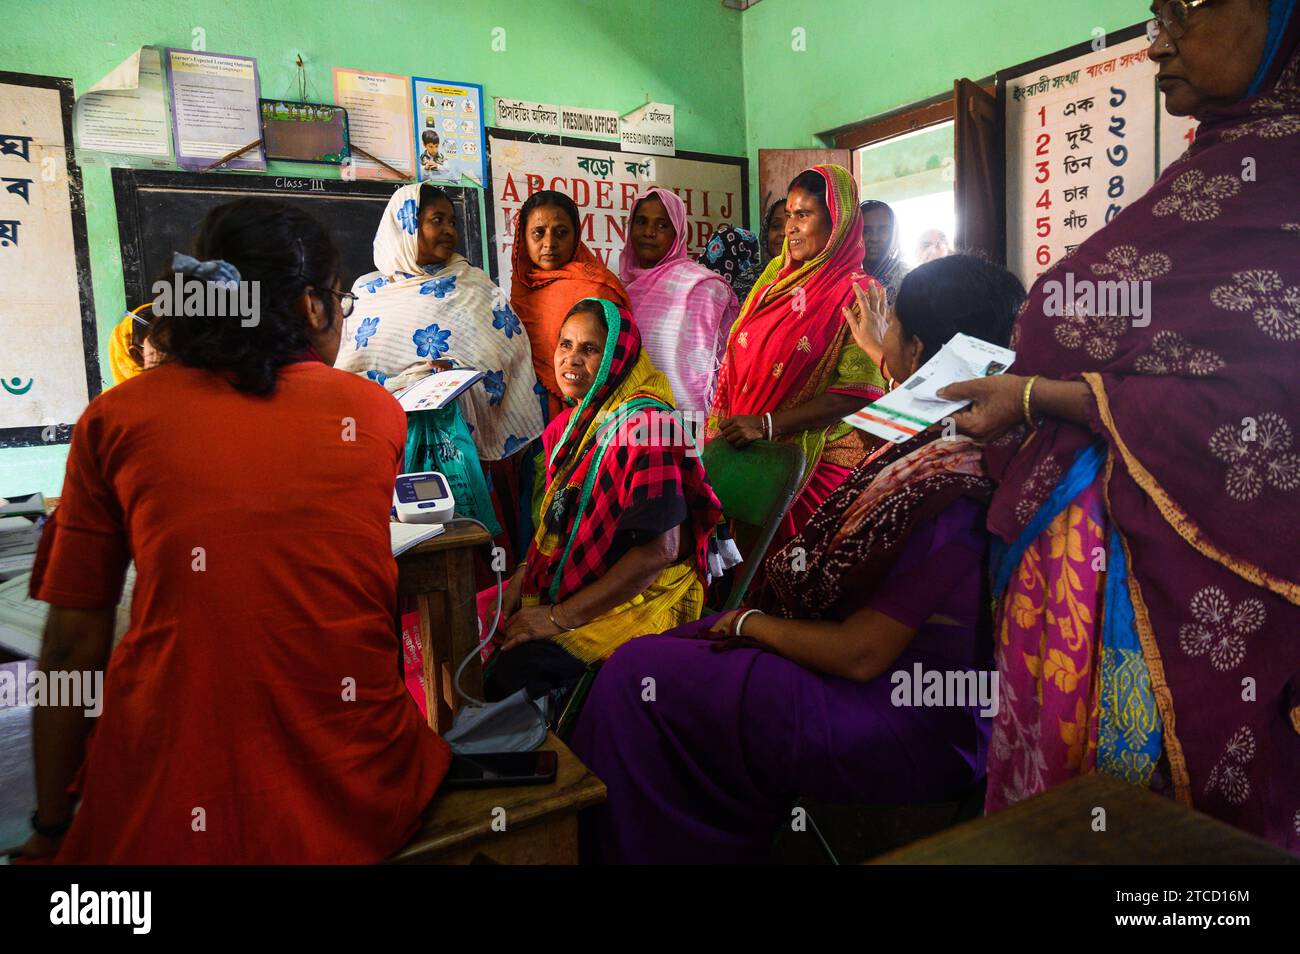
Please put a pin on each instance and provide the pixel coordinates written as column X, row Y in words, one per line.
column 704, row 735
column 1148, row 479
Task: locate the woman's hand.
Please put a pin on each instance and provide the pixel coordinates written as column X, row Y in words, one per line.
column 513, row 595
column 529, row 623
column 742, row 430
column 997, row 405
column 722, row 625
column 867, row 319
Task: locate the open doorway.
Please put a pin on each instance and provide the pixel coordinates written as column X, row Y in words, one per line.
column 913, row 172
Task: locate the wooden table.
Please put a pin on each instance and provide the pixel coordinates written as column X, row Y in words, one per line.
column 541, row 821
column 439, row 573
column 1056, row 828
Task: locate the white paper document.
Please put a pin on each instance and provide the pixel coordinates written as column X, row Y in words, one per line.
column 914, row 405
column 125, row 113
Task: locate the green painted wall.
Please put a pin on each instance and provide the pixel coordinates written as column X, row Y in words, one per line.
column 736, row 79
column 609, row 54
column 862, row 58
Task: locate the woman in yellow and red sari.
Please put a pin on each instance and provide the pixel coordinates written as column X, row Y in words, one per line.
column 791, row 371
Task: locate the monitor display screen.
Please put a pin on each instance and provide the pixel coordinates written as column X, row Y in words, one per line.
column 428, row 489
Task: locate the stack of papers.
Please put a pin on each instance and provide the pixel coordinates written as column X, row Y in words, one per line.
column 914, row 405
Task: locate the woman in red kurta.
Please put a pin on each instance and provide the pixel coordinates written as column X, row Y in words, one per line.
column 254, row 711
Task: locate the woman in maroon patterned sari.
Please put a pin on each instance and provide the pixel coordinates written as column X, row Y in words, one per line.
column 1149, row 483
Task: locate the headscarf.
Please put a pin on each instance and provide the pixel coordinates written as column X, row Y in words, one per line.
column 785, row 346
column 682, row 308
column 542, row 298
column 857, row 534
column 120, row 360
column 407, row 314
column 1197, row 412
column 731, row 252
column 597, row 491
column 889, row 269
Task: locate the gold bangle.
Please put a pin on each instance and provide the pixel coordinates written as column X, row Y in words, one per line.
column 555, row 622
column 1029, row 388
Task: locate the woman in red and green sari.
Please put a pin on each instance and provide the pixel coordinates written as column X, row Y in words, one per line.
column 791, row 371
column 629, row 522
column 1149, row 584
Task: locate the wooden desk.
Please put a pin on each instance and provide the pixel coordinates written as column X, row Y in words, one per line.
column 541, row 820
column 439, row 573
column 1056, row 828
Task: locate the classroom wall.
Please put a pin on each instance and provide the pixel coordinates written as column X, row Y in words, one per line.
column 610, row 54
column 737, row 80
column 862, row 58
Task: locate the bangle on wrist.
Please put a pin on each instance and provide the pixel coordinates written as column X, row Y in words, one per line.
column 51, row 831
column 1025, row 398
column 555, row 622
column 739, row 622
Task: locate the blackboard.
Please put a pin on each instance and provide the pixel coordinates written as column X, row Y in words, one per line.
column 159, row 213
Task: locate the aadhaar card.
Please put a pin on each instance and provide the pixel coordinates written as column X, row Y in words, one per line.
column 914, row 405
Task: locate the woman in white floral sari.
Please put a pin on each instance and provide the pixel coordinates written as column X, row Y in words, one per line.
column 425, row 308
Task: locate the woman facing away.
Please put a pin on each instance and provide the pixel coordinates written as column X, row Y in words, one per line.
column 551, row 271
column 424, row 308
column 629, row 521
column 683, row 308
column 885, row 585
column 1148, row 482
column 791, row 371
column 253, row 712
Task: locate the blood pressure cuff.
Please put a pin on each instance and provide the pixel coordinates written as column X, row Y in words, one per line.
column 515, row 724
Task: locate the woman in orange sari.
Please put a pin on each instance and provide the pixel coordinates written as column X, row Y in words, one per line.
column 791, row 371
column 551, row 271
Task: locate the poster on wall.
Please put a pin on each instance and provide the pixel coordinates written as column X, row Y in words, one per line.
column 49, row 365
column 603, row 182
column 214, row 109
column 123, row 117
column 379, row 120
column 448, row 130
column 1086, row 135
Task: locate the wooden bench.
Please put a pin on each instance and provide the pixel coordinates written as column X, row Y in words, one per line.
column 1056, row 828
column 541, row 821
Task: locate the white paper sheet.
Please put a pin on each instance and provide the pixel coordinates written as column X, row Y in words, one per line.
column 914, row 405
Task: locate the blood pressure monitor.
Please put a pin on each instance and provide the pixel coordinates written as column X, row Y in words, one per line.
column 423, row 498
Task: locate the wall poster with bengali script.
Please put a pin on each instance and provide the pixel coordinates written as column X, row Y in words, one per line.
column 49, row 362
column 1086, row 134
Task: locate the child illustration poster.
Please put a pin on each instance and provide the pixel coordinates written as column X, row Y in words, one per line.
column 448, row 130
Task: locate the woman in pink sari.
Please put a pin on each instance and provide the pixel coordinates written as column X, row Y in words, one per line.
column 1149, row 583
column 682, row 308
column 791, row 371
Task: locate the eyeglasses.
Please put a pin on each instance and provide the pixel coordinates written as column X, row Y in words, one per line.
column 347, row 300
column 1172, row 15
